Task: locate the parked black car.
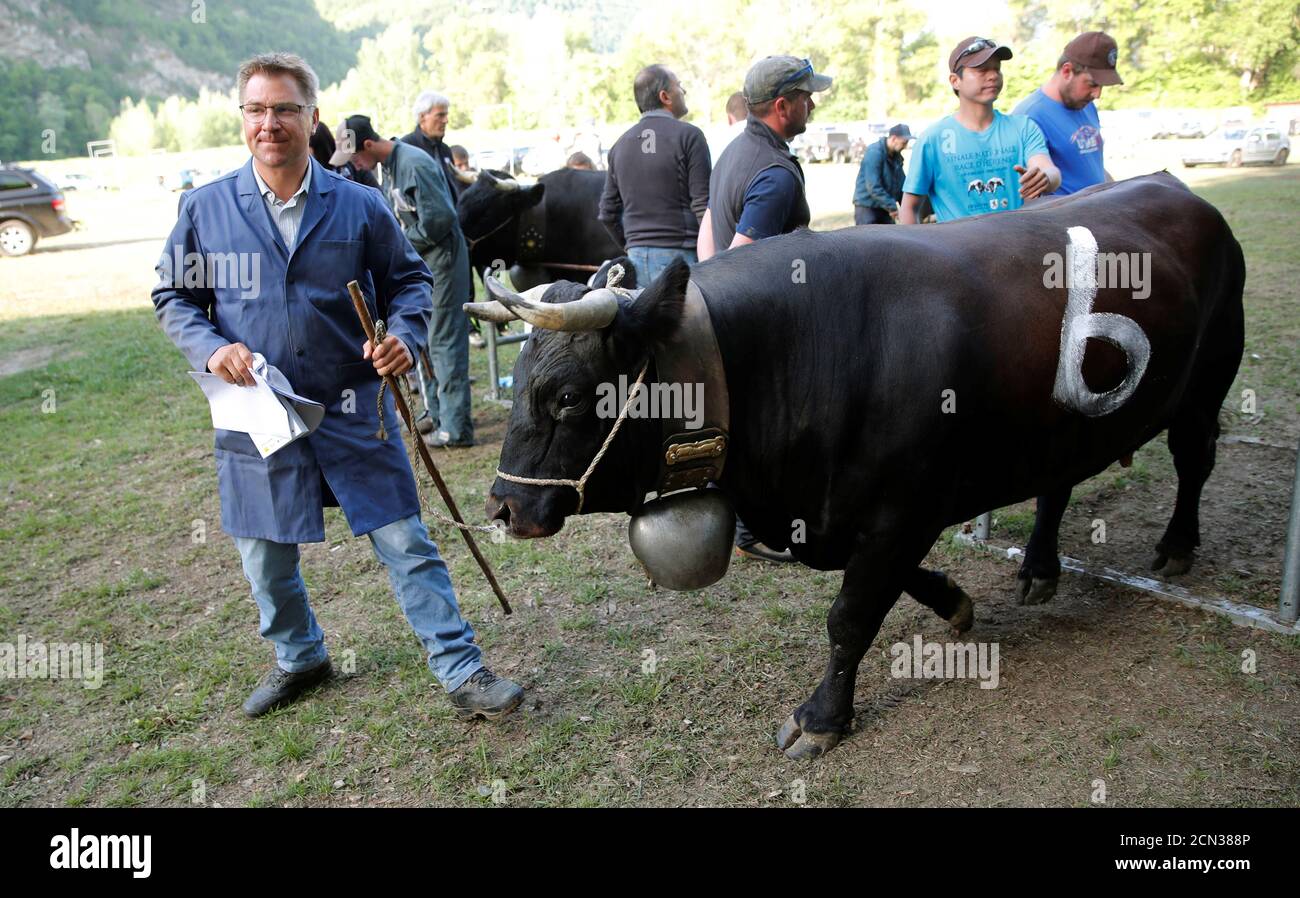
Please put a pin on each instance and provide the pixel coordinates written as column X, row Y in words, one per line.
column 31, row 207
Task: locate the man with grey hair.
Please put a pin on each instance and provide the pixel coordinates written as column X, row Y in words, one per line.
column 431, row 114
column 305, row 233
column 453, row 285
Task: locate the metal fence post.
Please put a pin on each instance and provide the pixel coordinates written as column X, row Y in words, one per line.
column 490, row 329
column 1287, row 605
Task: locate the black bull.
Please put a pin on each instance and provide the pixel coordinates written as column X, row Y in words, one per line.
column 888, row 382
column 499, row 216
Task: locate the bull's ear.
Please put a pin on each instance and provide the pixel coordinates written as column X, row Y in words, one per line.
column 651, row 320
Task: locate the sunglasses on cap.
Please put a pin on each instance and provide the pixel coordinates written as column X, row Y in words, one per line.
column 982, row 44
column 804, row 71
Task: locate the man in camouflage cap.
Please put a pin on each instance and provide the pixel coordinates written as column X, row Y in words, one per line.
column 757, row 187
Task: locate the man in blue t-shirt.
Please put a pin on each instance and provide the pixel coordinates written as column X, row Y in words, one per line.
column 977, row 160
column 1063, row 109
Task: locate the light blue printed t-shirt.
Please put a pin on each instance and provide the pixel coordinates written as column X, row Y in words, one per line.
column 968, row 172
column 1073, row 138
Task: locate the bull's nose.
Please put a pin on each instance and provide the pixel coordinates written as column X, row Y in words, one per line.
column 497, row 510
column 517, row 524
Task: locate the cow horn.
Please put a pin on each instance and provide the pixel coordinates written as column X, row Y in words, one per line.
column 464, row 177
column 505, row 185
column 494, row 310
column 490, row 311
column 592, row 312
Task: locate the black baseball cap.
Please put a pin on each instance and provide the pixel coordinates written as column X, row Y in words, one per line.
column 901, row 130
column 350, row 136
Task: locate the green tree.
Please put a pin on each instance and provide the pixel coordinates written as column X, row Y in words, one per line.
column 1172, row 52
column 389, row 74
column 133, row 131
column 469, row 59
column 52, row 115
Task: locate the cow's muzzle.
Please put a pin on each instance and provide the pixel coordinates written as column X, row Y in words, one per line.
column 511, row 512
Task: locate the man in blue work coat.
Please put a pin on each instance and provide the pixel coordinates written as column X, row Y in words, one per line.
column 302, row 233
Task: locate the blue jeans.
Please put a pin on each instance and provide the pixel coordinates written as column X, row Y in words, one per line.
column 650, row 261
column 865, row 215
column 446, row 387
column 420, row 582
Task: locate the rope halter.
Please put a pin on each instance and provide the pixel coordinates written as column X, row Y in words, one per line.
column 581, row 483
column 615, row 276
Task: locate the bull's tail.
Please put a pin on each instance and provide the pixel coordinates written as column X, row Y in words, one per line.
column 1194, row 431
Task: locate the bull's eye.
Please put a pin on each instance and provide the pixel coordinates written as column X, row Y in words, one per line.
column 569, row 399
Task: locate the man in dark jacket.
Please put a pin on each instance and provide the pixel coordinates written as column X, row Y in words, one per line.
column 880, row 179
column 657, row 185
column 757, row 188
column 431, row 113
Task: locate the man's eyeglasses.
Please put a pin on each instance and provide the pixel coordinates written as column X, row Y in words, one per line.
column 256, row 112
column 804, row 71
column 982, row 44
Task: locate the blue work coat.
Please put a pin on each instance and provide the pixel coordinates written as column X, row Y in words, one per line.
column 300, row 317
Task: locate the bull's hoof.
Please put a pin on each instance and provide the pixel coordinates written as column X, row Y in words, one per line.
column 801, row 746
column 963, row 618
column 1171, row 566
column 1035, row 591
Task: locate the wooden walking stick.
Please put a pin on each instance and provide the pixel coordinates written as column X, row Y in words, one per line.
column 368, row 325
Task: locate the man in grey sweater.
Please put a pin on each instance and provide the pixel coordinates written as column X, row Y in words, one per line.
column 657, row 185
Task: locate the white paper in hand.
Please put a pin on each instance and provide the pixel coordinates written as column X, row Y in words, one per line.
column 269, row 411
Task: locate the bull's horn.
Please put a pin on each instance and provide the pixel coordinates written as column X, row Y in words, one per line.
column 592, row 312
column 464, row 177
column 495, row 311
column 490, row 311
column 506, row 185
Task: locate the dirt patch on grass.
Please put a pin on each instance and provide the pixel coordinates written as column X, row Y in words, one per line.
column 20, row 360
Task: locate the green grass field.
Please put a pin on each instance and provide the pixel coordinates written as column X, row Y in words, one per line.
column 110, row 533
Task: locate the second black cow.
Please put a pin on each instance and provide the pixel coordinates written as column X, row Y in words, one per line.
column 541, row 232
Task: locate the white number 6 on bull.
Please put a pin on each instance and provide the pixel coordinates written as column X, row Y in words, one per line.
column 1081, row 322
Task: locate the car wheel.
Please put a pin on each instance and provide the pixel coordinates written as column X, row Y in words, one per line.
column 1234, row 161
column 1280, row 158
column 16, row 238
